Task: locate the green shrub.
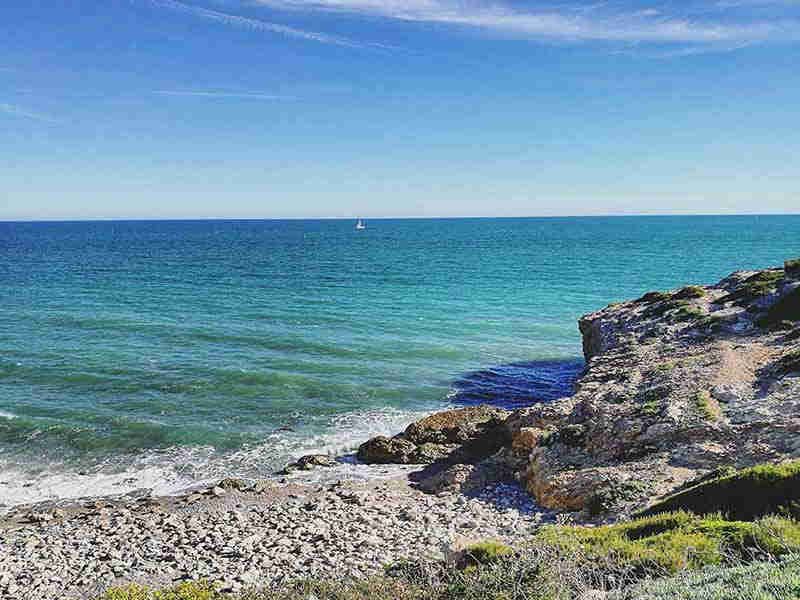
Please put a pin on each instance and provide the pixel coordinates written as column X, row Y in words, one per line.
column 651, row 408
column 670, row 542
column 753, row 287
column 792, row 266
column 706, row 405
column 688, row 313
column 192, row 590
column 744, row 495
column 484, row 553
column 605, row 498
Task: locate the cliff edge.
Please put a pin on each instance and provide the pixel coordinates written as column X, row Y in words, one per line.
column 677, row 384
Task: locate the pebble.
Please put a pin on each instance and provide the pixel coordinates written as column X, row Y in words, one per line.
column 331, row 531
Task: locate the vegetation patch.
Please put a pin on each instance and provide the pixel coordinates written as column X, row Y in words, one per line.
column 192, row 590
column 755, row 286
column 763, row 580
column 690, row 291
column 609, row 496
column 792, row 266
column 689, row 313
column 745, row 495
column 651, row 408
column 785, row 309
column 706, row 405
column 679, row 540
column 651, row 297
column 484, row 553
column 712, row 322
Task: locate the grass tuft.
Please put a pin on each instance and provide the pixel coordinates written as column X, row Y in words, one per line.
column 755, row 286
column 706, row 405
column 746, row 495
column 690, row 291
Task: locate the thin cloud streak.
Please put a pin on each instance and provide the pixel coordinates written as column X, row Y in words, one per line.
column 212, row 94
column 21, row 112
column 557, row 23
column 253, row 24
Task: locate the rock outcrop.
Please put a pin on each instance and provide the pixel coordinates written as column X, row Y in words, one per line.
column 453, row 443
column 676, row 384
column 458, row 436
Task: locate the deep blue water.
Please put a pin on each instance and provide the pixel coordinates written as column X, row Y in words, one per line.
column 160, row 353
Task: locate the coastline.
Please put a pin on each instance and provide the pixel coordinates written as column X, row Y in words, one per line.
column 262, row 536
column 680, row 388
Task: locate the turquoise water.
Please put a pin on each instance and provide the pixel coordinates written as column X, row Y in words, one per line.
column 159, row 354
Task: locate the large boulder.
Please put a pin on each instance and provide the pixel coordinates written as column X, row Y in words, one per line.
column 382, row 450
column 428, row 453
column 462, row 435
column 457, row 426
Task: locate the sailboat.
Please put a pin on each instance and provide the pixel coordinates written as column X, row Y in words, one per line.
column 360, row 225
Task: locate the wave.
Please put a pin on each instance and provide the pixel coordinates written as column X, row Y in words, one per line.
column 24, row 479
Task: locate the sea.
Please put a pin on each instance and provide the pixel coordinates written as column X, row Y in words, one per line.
column 161, row 355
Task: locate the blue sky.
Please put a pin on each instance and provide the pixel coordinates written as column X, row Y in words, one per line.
column 342, row 108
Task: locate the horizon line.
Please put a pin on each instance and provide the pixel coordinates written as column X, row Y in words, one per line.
column 398, row 218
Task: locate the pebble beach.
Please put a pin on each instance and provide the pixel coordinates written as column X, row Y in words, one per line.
column 262, row 535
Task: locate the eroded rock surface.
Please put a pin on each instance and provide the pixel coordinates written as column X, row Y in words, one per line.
column 458, row 436
column 676, row 384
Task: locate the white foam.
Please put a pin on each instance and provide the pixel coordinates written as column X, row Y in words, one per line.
column 7, row 415
column 175, row 470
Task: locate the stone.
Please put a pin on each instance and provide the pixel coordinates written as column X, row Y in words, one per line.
column 382, row 450
column 456, row 426
column 232, row 483
column 428, row 453
column 726, row 393
column 526, row 439
column 309, row 462
column 454, row 478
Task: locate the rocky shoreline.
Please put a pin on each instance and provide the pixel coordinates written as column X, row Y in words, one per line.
column 261, row 535
column 677, row 385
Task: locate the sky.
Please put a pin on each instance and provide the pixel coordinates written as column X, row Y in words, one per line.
column 390, row 108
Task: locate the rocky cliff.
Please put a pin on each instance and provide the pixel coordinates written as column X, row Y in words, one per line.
column 677, row 384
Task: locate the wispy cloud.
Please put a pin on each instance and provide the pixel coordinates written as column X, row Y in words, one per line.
column 253, row 24
column 563, row 22
column 18, row 111
column 215, row 94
